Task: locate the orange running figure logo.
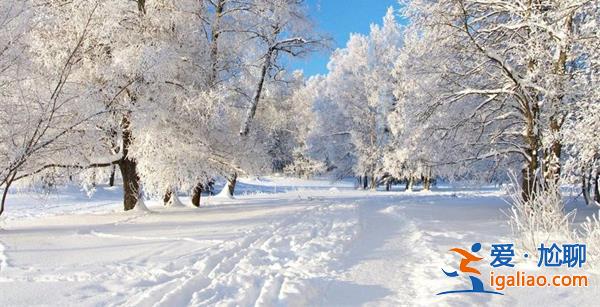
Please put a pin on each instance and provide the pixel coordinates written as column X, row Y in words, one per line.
column 468, row 258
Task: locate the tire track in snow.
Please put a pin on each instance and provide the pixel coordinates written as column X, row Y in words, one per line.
column 426, row 261
column 389, row 264
column 3, row 258
column 403, row 266
column 4, row 265
column 100, row 234
column 271, row 264
column 205, row 285
column 287, row 256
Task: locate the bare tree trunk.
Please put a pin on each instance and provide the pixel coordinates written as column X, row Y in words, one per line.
column 552, row 158
column 528, row 173
column 426, row 183
column 407, row 184
column 552, row 167
column 167, row 196
column 131, row 184
column 7, row 185
column 128, row 166
column 231, row 182
column 214, row 44
column 142, row 6
column 257, row 93
column 427, row 179
column 585, row 188
column 131, row 180
column 531, row 111
column 365, row 182
column 196, row 195
column 527, row 183
column 373, row 182
column 4, row 193
column 596, row 188
column 411, row 183
column 111, row 179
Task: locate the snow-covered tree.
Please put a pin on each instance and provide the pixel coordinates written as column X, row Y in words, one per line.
column 282, row 29
column 304, row 167
column 502, row 73
column 360, row 86
column 329, row 137
column 204, row 116
column 43, row 110
column 582, row 142
column 135, row 55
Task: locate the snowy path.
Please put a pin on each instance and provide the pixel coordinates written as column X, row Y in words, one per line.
column 404, row 243
column 396, row 259
column 311, row 246
column 375, row 269
column 258, row 251
column 271, row 263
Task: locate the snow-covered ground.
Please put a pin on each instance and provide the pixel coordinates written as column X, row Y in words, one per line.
column 281, row 241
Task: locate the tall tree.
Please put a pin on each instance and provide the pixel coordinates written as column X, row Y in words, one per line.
column 139, row 64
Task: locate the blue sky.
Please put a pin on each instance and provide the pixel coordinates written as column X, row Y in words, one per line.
column 339, row 18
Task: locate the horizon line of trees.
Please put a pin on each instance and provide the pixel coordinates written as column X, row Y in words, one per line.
column 170, row 94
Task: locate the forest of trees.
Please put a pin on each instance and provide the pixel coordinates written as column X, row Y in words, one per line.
column 167, row 95
column 468, row 90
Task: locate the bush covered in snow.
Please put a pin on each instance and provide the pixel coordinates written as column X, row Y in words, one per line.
column 542, row 218
column 590, row 235
column 304, row 167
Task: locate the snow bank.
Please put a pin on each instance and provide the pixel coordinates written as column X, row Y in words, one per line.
column 3, row 258
column 175, row 202
column 140, row 206
column 224, row 194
